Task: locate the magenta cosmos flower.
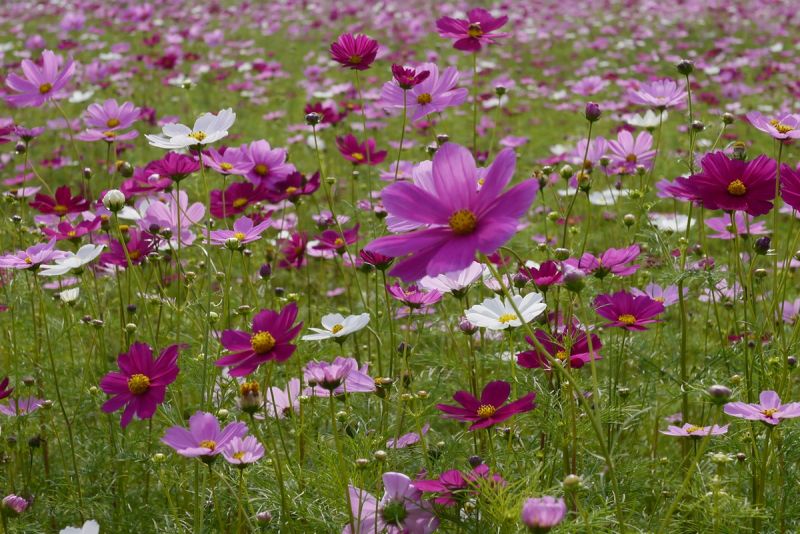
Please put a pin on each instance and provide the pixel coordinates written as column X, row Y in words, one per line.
column 570, row 345
column 61, row 204
column 401, row 510
column 628, row 311
column 790, row 186
column 412, row 296
column 660, row 94
column 141, row 382
column 235, row 199
column 470, row 35
column 203, row 438
column 781, row 127
column 460, row 219
column 269, row 341
column 546, row 275
column 40, row 84
column 242, row 452
column 355, row 52
column 490, row 409
column 453, row 486
column 542, row 514
column 612, row 261
column 692, row 431
column 735, row 185
column 407, row 77
column 433, row 95
column 360, row 153
column 5, row 391
column 243, row 230
column 769, row 410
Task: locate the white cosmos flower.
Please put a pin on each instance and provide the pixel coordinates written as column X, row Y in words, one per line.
column 453, row 281
column 650, row 119
column 69, row 296
column 605, row 197
column 669, row 222
column 86, row 254
column 207, row 129
column 498, row 313
column 90, row 527
column 336, row 325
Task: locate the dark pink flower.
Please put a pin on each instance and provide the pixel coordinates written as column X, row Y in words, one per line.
column 790, row 186
column 407, row 77
column 360, row 153
column 628, row 311
column 454, row 486
column 490, row 409
column 612, row 261
column 61, row 204
column 235, row 199
column 333, row 240
column 354, row 51
column 546, row 275
column 470, row 35
column 569, row 345
column 735, row 185
column 40, row 84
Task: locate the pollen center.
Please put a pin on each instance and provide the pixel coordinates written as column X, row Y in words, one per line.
column 692, row 429
column 113, row 122
column 238, row 455
column 61, row 209
column 198, row 136
column 782, row 128
column 475, row 30
column 626, row 318
column 339, row 242
column 424, row 98
column 225, row 166
column 737, row 188
column 486, row 410
column 138, row 384
column 337, row 328
column 261, row 169
column 355, row 59
column 239, row 235
column 562, row 355
column 248, row 388
column 45, row 88
column 631, row 158
column 507, row 318
column 208, row 444
column 769, row 412
column 239, row 202
column 463, row 222
column 358, row 156
column 291, row 190
column 262, row 342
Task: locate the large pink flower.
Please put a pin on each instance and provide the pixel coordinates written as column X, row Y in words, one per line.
column 40, row 84
column 735, row 185
column 470, row 35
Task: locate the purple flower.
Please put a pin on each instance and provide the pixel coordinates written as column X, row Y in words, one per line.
column 546, row 275
column 163, row 216
column 666, row 295
column 14, row 504
column 232, row 161
column 490, row 409
column 282, row 403
column 470, row 35
column 612, row 261
column 433, row 95
column 627, row 153
column 452, row 486
column 735, row 185
column 5, row 391
column 407, row 77
column 32, row 257
column 338, row 377
column 790, row 186
column 267, row 164
column 243, row 230
column 692, row 431
column 460, row 219
column 628, row 311
column 40, row 84
column 106, row 121
column 745, row 226
column 243, row 452
column 357, row 153
column 174, row 166
column 355, row 52
column 769, row 409
column 542, row 514
column 406, row 440
column 23, row 406
column 203, row 438
column 785, row 126
column 413, row 297
column 401, row 510
column 569, row 345
column 660, row 94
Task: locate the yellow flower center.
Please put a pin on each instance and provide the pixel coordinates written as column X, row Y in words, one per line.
column 113, row 122
column 692, row 429
column 626, row 318
column 562, row 355
column 337, row 328
column 208, row 444
column 358, row 156
column 28, row 260
column 238, row 455
column 239, row 202
column 782, row 128
column 262, row 342
column 72, row 233
column 198, row 136
column 225, row 166
column 239, row 235
column 737, row 188
column 631, row 158
column 424, row 98
column 769, row 412
column 507, row 317
column 261, row 169
column 486, row 410
column 248, row 389
column 134, row 254
column 475, row 30
column 463, row 222
column 61, row 209
column 355, row 59
column 339, row 242
column 291, row 190
column 658, row 299
column 138, row 384
column 45, row 88
column 109, row 133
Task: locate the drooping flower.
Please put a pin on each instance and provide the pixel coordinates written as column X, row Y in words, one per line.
column 203, row 439
column 401, row 510
column 141, row 382
column 40, row 84
column 491, row 409
column 433, row 95
column 691, row 431
column 207, row 129
column 269, row 341
column 455, row 282
column 412, row 296
column 336, row 326
column 735, row 185
column 338, row 377
column 544, row 513
column 243, row 231
column 660, row 94
column 628, row 311
column 544, row 276
column 360, row 153
column 627, row 153
column 768, row 410
column 497, row 313
column 460, row 219
column 470, row 35
column 174, row 166
column 786, row 126
column 570, row 345
column 355, row 52
column 61, row 204
column 85, row 255
column 242, row 452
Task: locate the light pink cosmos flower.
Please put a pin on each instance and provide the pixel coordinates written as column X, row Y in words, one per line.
column 660, row 94
column 107, row 120
column 40, row 84
column 338, row 377
column 785, row 126
column 267, row 164
column 406, row 440
column 769, row 410
column 32, row 257
column 243, row 230
column 282, row 403
column 163, row 216
column 242, row 452
column 401, row 510
column 435, row 94
column 627, row 153
column 692, row 431
column 203, row 438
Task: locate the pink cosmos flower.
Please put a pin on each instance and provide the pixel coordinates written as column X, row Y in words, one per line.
column 412, row 296
column 107, row 120
column 32, row 257
column 470, row 35
column 735, row 185
column 174, row 166
column 141, row 382
column 232, row 161
column 660, row 94
column 692, row 431
column 203, row 438
column 267, row 164
column 745, row 226
column 627, row 153
column 66, row 230
column 61, row 204
column 401, row 510
column 769, row 409
column 40, row 84
column 235, row 199
column 338, row 377
column 780, row 127
column 164, row 216
column 459, row 219
column 292, row 187
column 628, row 311
column 356, row 52
column 667, row 295
column 23, row 406
column 790, row 186
column 243, row 230
column 454, row 486
column 282, row 403
column 569, row 345
column 612, row 261
column 406, row 440
column 5, row 391
column 491, row 409
column 242, row 452
column 433, row 95
column 333, row 240
column 542, row 514
column 407, row 77
column 360, row 153
column 138, row 245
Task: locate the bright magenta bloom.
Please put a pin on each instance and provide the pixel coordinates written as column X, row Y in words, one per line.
column 769, row 410
column 490, row 409
column 360, row 153
column 355, row 52
column 408, row 77
column 470, row 35
column 40, row 84
column 570, row 345
column 790, row 186
column 141, row 382
column 612, row 261
column 459, row 219
column 628, row 311
column 735, row 185
column 454, row 486
column 203, row 438
column 269, row 341
column 61, row 204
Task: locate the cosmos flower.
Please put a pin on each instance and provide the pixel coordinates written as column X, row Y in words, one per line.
column 768, row 410
column 735, row 185
column 781, row 127
column 338, row 377
column 66, row 230
column 89, row 527
column 269, row 341
column 412, row 296
column 173, row 218
column 692, row 431
column 491, row 409
column 459, row 219
column 107, row 120
column 648, row 120
column 235, row 199
column 408, row 77
column 207, row 129
column 243, row 230
column 20, row 407
column 790, row 186
column 32, row 257
column 470, row 35
column 292, row 187
column 203, row 439
column 137, row 245
column 61, row 204
column 612, row 261
column 745, row 226
column 333, row 240
column 401, row 510
column 667, row 295
column 660, row 94
column 360, row 153
column 266, row 164
column 455, row 487
column 231, row 161
column 173, row 166
column 242, row 452
column 628, row 311
column 40, row 84
column 141, row 382
column 455, row 282
column 497, row 313
column 355, row 52
column 626, row 153
column 433, row 95
column 543, row 276
column 336, row 326
column 5, row 391
column 406, row 440
column 13, row 505
column 544, row 513
column 282, row 403
column 85, row 255
column 569, row 345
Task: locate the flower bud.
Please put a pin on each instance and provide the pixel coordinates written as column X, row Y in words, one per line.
column 380, row 455
column 312, row 119
column 728, row 118
column 20, row 148
column 761, row 245
column 125, row 169
column 114, row 200
column 629, row 219
column 571, row 481
column 566, row 172
column 719, row 394
column 467, row 327
column 698, row 126
column 561, row 254
column 263, row 517
column 574, row 280
column 87, row 173
column 500, row 90
column 592, row 112
column 685, row 67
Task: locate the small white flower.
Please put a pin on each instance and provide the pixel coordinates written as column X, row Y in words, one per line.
column 86, row 254
column 336, row 325
column 69, row 296
column 668, row 222
column 498, row 313
column 453, row 281
column 649, row 120
column 90, row 527
column 207, row 129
